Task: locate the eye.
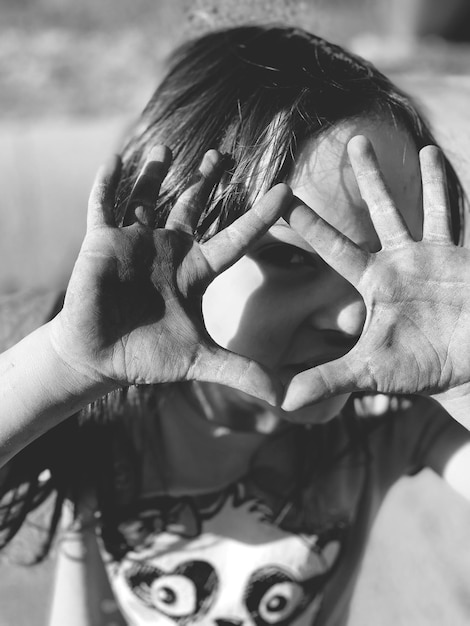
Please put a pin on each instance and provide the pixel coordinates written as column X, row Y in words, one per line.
column 273, row 597
column 174, row 595
column 286, row 256
column 184, row 592
column 279, row 602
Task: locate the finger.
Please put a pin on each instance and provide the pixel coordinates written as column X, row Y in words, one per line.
column 144, row 195
column 186, row 212
column 345, row 375
column 217, row 365
column 102, row 195
column 436, row 207
column 230, row 244
column 338, row 251
column 387, row 220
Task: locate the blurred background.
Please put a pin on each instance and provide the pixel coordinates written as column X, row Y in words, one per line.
column 73, row 75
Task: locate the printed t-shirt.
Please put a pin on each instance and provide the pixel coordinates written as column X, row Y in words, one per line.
column 279, row 542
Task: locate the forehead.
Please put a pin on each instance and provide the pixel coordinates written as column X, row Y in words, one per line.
column 323, row 177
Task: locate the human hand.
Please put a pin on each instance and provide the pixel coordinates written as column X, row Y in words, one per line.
column 416, row 336
column 132, row 311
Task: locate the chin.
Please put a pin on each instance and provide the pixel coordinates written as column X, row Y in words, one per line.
column 318, row 413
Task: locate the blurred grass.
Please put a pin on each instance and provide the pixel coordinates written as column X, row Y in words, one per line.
column 59, row 58
column 89, row 58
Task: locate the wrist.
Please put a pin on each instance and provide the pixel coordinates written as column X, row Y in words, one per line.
column 73, row 361
column 78, row 375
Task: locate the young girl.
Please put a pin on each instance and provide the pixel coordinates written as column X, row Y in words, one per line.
column 219, row 325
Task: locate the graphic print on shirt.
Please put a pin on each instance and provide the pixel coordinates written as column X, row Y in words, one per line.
column 227, row 564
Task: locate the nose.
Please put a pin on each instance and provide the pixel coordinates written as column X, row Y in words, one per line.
column 228, row 622
column 341, row 308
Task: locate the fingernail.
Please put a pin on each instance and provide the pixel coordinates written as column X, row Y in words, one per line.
column 145, row 215
column 212, row 160
column 210, row 169
column 160, row 153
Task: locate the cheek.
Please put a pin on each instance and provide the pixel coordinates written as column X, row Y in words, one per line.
column 227, row 298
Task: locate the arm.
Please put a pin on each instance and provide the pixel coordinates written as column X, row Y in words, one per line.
column 81, row 593
column 39, row 390
column 450, row 458
column 457, row 471
column 132, row 311
column 457, row 403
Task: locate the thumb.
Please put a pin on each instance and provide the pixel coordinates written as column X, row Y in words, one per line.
column 334, row 378
column 216, row 365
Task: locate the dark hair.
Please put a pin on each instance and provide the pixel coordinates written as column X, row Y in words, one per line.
column 249, row 92
column 255, row 91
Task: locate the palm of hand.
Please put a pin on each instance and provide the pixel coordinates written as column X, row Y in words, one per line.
column 132, row 312
column 136, row 317
column 418, row 303
column 417, row 293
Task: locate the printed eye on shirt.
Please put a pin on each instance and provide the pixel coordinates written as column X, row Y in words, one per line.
column 228, row 563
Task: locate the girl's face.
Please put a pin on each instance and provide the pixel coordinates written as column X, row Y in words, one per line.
column 282, row 305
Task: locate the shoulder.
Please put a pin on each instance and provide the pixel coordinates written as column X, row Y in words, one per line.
column 23, row 312
column 412, row 432
column 411, row 413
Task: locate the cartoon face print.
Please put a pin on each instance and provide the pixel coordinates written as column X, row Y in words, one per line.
column 182, row 594
column 185, row 595
column 239, row 569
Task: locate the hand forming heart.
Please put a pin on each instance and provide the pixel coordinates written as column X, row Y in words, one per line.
column 416, row 337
